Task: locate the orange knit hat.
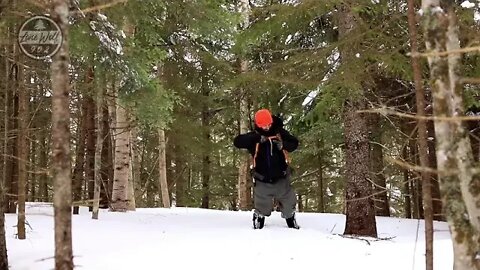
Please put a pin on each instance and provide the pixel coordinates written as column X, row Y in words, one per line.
column 263, row 118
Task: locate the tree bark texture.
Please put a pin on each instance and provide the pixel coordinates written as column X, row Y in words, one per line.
column 22, row 147
column 98, row 154
column 244, row 179
column 459, row 185
column 107, row 159
column 62, row 199
column 162, row 163
column 432, row 160
column 122, row 161
column 3, row 242
column 422, row 138
column 206, row 134
column 360, row 209
column 90, row 142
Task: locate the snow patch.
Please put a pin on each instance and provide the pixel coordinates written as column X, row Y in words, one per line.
column 467, row 4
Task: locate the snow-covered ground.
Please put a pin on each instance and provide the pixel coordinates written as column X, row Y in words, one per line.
column 187, row 238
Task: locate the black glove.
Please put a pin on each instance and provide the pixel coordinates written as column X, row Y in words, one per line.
column 278, row 144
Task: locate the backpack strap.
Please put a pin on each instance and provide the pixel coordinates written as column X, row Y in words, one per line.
column 285, row 153
column 270, row 138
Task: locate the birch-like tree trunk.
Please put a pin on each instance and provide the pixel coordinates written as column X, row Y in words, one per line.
column 244, row 179
column 98, row 154
column 422, row 139
column 122, row 161
column 136, row 163
column 459, row 184
column 62, row 199
column 131, row 206
column 162, row 168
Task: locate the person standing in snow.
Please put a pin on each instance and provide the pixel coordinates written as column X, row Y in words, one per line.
column 269, row 145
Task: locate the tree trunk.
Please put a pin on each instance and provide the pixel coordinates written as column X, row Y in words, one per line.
column 32, row 168
column 98, row 154
column 169, row 158
column 459, row 185
column 360, row 210
column 300, row 203
column 422, row 138
column 4, row 75
column 13, row 181
column 321, row 188
column 79, row 168
column 406, row 186
column 43, row 163
column 107, row 159
column 22, row 148
column 162, row 168
column 244, row 179
column 10, row 128
column 131, row 205
column 206, row 156
column 432, row 160
column 136, row 163
column 5, row 159
column 382, row 205
column 416, row 183
column 3, row 241
column 90, row 142
column 62, row 200
column 122, row 161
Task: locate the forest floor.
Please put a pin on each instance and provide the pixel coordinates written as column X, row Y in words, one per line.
column 189, row 238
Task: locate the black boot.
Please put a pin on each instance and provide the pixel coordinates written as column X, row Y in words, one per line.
column 258, row 221
column 292, row 222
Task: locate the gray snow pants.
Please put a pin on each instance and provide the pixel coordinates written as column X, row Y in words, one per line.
column 282, row 190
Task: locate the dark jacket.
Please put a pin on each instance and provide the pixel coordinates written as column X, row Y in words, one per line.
column 270, row 162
